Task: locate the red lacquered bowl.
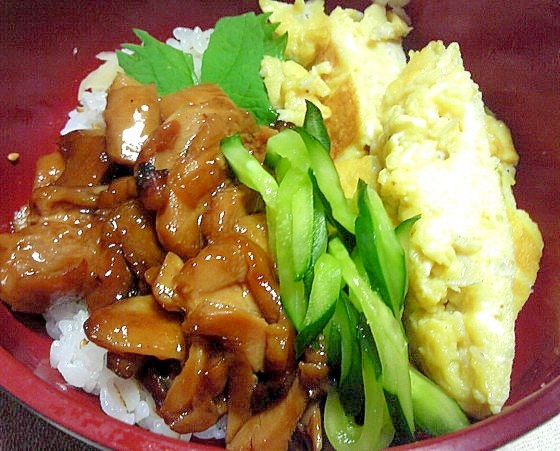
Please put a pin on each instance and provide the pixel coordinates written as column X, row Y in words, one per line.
column 512, row 50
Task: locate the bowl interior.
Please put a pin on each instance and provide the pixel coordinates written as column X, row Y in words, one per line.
column 511, row 51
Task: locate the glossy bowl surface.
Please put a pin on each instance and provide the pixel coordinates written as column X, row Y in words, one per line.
column 512, row 51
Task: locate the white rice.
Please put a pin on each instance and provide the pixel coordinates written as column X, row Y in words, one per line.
column 81, row 362
column 89, row 114
column 193, row 41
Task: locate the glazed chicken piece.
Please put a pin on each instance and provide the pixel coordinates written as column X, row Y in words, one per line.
column 128, row 326
column 132, row 113
column 272, row 429
column 194, row 401
column 83, row 149
column 51, row 259
column 130, row 227
column 185, row 150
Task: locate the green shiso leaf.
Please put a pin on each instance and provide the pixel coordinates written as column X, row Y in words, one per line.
column 233, row 61
column 156, row 62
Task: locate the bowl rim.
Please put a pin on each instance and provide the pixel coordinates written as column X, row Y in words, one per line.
column 46, row 400
column 22, row 384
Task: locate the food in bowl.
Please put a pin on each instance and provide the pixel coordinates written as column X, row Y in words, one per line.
column 136, row 254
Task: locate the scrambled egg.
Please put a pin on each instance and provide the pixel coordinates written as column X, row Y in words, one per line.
column 420, row 134
column 447, row 159
column 289, row 85
column 346, row 48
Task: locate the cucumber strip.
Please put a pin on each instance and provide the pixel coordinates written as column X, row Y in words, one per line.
column 403, row 231
column 350, row 383
column 248, row 169
column 382, row 253
column 292, row 288
column 387, row 332
column 292, row 291
column 288, row 144
column 322, row 300
column 434, row 411
column 333, row 339
column 319, row 240
column 302, row 220
column 377, row 430
column 328, row 181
